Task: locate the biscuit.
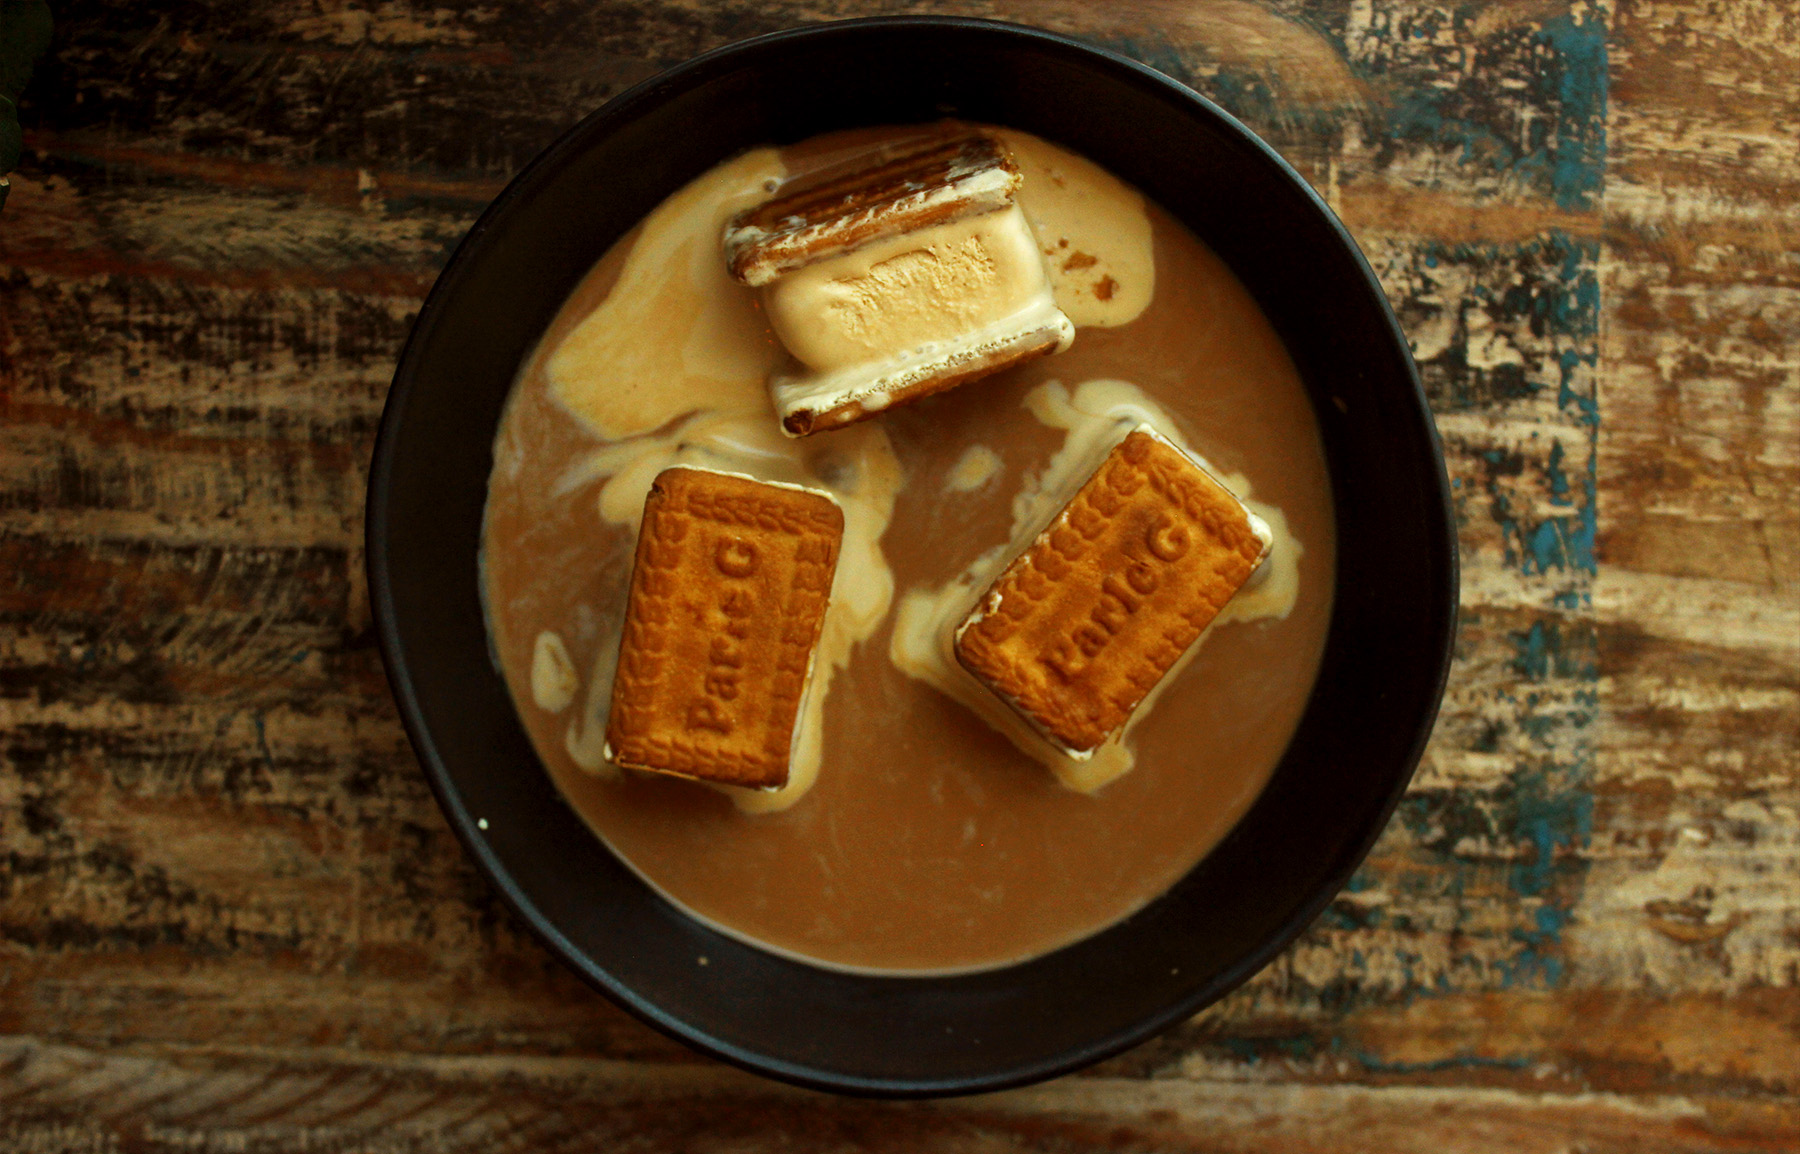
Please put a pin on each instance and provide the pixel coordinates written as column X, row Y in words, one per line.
column 804, row 418
column 728, row 595
column 917, row 183
column 1081, row 626
column 906, row 270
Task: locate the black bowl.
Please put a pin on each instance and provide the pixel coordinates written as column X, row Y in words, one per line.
column 1367, row 720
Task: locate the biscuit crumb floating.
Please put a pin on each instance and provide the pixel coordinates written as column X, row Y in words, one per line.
column 728, row 594
column 1083, row 624
column 903, row 272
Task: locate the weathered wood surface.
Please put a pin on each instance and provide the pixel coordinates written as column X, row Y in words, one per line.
column 231, row 917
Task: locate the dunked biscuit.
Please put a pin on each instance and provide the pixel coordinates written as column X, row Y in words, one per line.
column 896, row 188
column 904, row 271
column 1081, row 626
column 728, row 594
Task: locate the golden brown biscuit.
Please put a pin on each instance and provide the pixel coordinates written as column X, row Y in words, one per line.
column 728, row 594
column 1083, row 624
column 905, row 270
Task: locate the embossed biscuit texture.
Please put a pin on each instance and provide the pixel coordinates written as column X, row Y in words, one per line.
column 728, row 594
column 1084, row 623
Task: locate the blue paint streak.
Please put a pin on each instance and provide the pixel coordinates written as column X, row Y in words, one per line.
column 1563, row 153
column 1553, row 810
column 1579, row 167
column 1538, row 964
column 1532, row 651
column 1546, row 545
column 1456, row 1062
column 1547, row 806
column 1546, row 651
column 1559, row 480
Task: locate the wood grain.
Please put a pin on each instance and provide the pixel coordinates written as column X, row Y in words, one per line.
column 232, row 918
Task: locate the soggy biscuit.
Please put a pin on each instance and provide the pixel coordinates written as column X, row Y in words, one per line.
column 898, row 273
column 1082, row 625
column 895, row 188
column 728, row 594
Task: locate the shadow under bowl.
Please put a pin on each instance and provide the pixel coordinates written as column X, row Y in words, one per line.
column 1365, row 724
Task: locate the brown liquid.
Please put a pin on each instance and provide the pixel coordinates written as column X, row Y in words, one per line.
column 930, row 842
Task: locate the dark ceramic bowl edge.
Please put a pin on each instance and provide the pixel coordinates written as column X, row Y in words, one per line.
column 617, row 112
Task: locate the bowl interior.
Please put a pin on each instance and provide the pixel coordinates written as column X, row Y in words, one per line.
column 1356, row 745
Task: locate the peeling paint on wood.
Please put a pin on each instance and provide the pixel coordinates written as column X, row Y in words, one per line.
column 231, row 916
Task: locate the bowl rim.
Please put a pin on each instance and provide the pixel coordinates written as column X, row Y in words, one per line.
column 619, row 111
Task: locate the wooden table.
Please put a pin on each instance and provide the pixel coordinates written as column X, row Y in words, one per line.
column 231, row 917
